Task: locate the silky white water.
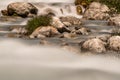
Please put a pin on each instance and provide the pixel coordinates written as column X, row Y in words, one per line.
column 21, row 61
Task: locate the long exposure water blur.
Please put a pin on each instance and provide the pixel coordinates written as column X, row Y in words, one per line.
column 22, row 59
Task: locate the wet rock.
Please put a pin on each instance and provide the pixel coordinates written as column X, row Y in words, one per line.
column 97, row 11
column 82, row 31
column 21, row 9
column 19, row 30
column 44, row 31
column 74, row 49
column 45, row 42
column 95, row 45
column 67, row 23
column 84, row 3
column 79, row 9
column 9, row 18
column 69, row 35
column 114, row 43
column 104, row 37
column 4, row 12
column 56, row 22
column 11, row 35
column 115, row 20
column 71, row 19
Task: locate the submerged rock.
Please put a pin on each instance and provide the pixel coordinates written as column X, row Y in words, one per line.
column 114, row 43
column 19, row 30
column 4, row 12
column 95, row 45
column 82, row 31
column 68, row 35
column 97, row 11
column 22, row 9
column 84, row 3
column 44, row 31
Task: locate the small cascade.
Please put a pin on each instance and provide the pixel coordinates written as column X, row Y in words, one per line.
column 61, row 7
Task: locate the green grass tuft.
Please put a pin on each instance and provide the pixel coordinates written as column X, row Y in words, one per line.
column 42, row 20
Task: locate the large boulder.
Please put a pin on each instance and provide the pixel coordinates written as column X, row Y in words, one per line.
column 44, row 31
column 114, row 43
column 56, row 22
column 115, row 20
column 95, row 45
column 97, row 11
column 22, row 9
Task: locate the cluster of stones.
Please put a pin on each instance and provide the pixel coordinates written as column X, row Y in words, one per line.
column 95, row 11
column 98, row 45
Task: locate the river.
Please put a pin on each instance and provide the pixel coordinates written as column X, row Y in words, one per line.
column 22, row 59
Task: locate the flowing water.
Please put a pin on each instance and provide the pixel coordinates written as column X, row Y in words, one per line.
column 22, row 59
column 67, row 8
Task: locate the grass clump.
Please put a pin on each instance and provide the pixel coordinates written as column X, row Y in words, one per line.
column 42, row 20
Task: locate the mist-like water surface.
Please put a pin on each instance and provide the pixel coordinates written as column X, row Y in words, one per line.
column 20, row 61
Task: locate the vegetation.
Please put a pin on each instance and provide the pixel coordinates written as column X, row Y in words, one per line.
column 43, row 20
column 110, row 3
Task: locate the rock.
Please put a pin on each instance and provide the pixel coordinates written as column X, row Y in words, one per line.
column 84, row 3
column 50, row 11
column 82, row 31
column 59, row 25
column 95, row 45
column 19, row 30
column 70, row 48
column 97, row 11
column 68, row 35
column 44, row 31
column 4, row 12
column 67, row 23
column 71, row 19
column 79, row 9
column 45, row 42
column 115, row 20
column 104, row 37
column 22, row 9
column 114, row 43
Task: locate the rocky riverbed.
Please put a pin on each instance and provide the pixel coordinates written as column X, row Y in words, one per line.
column 78, row 44
column 69, row 32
